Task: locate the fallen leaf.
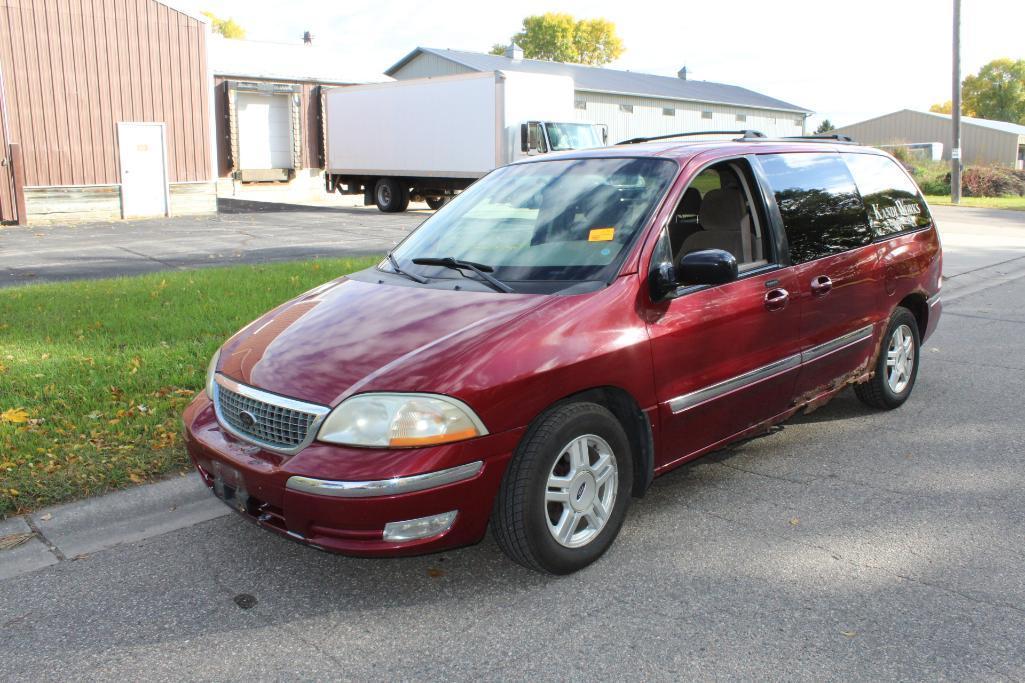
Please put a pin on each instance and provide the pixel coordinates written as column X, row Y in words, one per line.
column 794, row 521
column 849, row 634
column 14, row 540
column 46, row 517
column 434, row 572
column 14, row 416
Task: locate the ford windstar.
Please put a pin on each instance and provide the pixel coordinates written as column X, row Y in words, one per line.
column 564, row 331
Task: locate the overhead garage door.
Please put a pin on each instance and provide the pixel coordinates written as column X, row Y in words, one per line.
column 264, row 131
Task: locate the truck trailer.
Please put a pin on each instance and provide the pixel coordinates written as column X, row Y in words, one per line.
column 430, row 138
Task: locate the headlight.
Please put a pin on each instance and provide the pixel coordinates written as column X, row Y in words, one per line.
column 400, row 421
column 211, row 373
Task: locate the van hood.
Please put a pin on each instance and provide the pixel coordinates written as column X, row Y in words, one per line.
column 350, row 336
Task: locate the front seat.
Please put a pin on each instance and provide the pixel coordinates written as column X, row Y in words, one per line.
column 724, row 217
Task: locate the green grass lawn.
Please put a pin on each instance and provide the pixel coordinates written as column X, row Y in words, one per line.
column 1015, row 203
column 94, row 374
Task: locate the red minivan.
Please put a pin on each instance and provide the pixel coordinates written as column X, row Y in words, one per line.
column 564, row 331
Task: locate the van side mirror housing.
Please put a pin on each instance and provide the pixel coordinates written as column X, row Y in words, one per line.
column 707, row 267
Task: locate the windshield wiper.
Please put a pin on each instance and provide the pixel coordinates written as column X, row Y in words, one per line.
column 479, row 268
column 412, row 276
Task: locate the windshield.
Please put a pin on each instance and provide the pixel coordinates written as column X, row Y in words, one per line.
column 564, row 136
column 559, row 221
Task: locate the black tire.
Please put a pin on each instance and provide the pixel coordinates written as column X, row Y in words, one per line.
column 877, row 392
column 436, row 202
column 520, row 522
column 391, row 196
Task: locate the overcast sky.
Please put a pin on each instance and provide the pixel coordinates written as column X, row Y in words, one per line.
column 847, row 61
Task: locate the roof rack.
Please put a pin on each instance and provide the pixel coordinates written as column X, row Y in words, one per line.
column 742, row 133
column 825, row 136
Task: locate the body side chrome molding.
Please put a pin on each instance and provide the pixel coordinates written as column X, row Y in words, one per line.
column 933, row 300
column 841, row 342
column 696, row 398
column 383, row 487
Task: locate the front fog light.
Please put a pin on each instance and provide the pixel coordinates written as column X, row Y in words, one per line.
column 424, row 527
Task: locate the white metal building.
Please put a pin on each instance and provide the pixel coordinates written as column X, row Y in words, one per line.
column 982, row 141
column 630, row 104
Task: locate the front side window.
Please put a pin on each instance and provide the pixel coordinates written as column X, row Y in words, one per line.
column 819, row 203
column 893, row 203
column 545, row 225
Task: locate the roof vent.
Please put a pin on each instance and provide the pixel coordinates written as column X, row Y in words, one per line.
column 514, row 51
column 682, row 73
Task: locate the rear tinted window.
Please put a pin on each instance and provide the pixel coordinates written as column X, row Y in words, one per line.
column 892, row 201
column 822, row 212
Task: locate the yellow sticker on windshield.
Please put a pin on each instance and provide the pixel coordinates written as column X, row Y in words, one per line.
column 601, row 234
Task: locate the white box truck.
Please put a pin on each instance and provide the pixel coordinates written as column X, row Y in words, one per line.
column 429, row 138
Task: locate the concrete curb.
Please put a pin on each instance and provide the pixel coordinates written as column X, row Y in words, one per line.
column 75, row 529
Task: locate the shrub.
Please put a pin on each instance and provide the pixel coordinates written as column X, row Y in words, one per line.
column 992, row 181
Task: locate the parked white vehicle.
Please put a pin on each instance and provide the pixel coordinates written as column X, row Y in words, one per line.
column 430, row 138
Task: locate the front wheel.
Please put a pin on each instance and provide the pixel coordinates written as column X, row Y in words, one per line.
column 897, row 365
column 391, row 196
column 437, row 202
column 565, row 494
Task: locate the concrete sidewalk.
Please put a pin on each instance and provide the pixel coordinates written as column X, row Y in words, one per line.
column 75, row 530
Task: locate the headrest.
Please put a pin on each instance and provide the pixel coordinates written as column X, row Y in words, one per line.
column 722, row 210
column 691, row 202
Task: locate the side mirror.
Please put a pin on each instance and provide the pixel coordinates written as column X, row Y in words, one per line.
column 707, row 267
column 532, row 139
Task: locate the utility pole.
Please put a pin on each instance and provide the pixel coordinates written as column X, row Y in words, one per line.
column 955, row 111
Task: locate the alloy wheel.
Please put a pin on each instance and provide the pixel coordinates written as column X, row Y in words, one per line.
column 900, row 359
column 581, row 491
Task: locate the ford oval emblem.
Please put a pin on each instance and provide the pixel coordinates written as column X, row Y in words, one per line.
column 247, row 419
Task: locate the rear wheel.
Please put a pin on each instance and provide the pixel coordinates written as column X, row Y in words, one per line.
column 391, row 196
column 565, row 494
column 436, row 202
column 897, row 365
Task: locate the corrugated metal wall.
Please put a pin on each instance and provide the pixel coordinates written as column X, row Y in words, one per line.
column 427, row 65
column 648, row 117
column 979, row 145
column 7, row 208
column 74, row 68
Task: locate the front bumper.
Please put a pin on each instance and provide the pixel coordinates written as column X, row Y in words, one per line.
column 340, row 499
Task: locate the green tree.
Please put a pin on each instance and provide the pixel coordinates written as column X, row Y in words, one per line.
column 559, row 37
column 825, row 127
column 226, row 27
column 942, row 107
column 997, row 92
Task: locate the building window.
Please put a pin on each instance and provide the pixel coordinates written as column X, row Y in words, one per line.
column 741, row 118
column 706, row 114
column 626, row 108
column 668, row 111
column 799, row 121
column 580, row 104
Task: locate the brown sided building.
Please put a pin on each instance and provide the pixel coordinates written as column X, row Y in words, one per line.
column 105, row 110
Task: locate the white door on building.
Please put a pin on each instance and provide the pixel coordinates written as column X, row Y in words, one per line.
column 143, row 153
column 264, row 131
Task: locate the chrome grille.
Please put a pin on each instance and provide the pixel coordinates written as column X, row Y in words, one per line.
column 272, row 421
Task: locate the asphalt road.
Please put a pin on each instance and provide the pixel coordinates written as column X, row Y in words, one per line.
column 243, row 232
column 850, row 544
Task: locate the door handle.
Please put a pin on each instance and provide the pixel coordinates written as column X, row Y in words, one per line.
column 776, row 299
column 821, row 285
